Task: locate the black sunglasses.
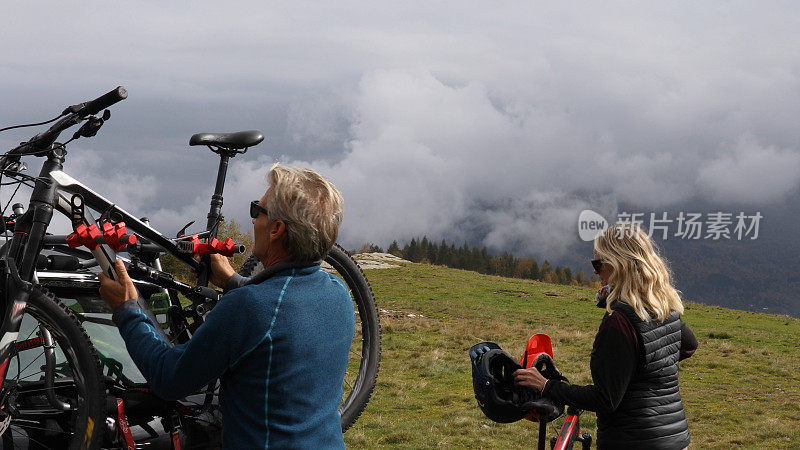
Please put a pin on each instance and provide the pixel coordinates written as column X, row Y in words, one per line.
column 256, row 209
column 597, row 264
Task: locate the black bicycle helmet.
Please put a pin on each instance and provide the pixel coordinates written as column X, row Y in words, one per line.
column 498, row 396
column 493, row 381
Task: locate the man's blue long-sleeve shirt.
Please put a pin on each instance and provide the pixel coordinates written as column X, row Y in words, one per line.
column 280, row 347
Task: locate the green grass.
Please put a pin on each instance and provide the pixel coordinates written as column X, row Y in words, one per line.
column 740, row 389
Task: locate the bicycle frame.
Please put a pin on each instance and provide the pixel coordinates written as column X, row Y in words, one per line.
column 569, row 434
column 67, row 186
column 54, row 189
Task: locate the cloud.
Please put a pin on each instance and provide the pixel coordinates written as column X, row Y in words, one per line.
column 451, row 160
column 455, row 120
column 444, row 160
column 730, row 176
column 131, row 192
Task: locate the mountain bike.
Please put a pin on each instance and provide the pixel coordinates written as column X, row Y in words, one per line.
column 60, row 388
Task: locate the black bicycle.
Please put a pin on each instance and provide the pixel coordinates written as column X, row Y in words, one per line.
column 64, row 387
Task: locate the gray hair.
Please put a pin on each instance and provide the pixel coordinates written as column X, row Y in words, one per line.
column 311, row 208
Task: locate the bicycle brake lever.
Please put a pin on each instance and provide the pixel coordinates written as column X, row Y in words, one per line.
column 89, row 128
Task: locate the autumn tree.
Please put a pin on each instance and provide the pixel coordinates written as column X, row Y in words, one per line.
column 227, row 229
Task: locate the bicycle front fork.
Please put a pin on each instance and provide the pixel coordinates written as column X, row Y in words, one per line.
column 50, row 369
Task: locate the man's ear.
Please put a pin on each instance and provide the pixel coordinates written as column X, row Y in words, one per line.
column 277, row 229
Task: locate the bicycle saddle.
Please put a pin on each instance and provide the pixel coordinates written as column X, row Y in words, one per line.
column 233, row 141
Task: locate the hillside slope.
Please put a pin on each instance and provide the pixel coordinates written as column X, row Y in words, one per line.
column 741, row 388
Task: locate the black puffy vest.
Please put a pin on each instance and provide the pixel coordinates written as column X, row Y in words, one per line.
column 650, row 415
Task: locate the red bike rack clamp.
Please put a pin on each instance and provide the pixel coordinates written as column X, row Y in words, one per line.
column 225, row 248
column 89, row 236
column 228, row 247
column 116, row 235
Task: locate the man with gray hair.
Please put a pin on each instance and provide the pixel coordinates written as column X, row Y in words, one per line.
column 279, row 342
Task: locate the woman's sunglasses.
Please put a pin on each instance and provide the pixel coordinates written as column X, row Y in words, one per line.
column 597, row 264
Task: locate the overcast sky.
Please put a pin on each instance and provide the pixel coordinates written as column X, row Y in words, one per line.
column 496, row 122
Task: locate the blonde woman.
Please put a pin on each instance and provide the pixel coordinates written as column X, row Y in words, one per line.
column 634, row 362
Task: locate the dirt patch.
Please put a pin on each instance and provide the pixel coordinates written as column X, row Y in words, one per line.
column 512, row 293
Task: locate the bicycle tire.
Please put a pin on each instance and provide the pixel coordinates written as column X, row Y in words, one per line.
column 356, row 395
column 84, row 389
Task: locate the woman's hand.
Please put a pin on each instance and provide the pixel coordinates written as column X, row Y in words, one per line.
column 530, row 378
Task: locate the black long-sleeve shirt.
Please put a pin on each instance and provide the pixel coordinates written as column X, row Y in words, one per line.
column 615, row 357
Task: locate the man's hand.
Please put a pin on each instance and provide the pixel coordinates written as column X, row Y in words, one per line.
column 221, row 270
column 116, row 293
column 530, row 377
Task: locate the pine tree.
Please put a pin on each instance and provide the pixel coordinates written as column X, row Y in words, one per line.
column 441, row 253
column 550, row 277
column 545, row 270
column 535, row 274
column 481, row 261
column 484, row 260
column 423, row 250
column 411, row 251
column 507, row 264
column 560, row 275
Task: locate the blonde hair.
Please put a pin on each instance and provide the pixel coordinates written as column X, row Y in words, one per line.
column 640, row 277
column 311, row 208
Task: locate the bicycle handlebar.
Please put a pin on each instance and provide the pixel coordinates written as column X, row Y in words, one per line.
column 74, row 114
column 44, row 139
column 100, row 103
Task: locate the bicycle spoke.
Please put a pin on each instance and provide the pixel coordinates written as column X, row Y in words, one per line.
column 11, row 431
column 33, row 330
column 29, row 364
column 31, row 375
column 31, row 427
column 28, row 437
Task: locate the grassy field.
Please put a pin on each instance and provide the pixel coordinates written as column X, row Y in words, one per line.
column 740, row 389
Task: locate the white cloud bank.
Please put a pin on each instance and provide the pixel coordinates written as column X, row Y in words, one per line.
column 495, row 122
column 748, row 172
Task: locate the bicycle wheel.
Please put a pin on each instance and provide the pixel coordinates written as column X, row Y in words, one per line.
column 365, row 351
column 77, row 381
